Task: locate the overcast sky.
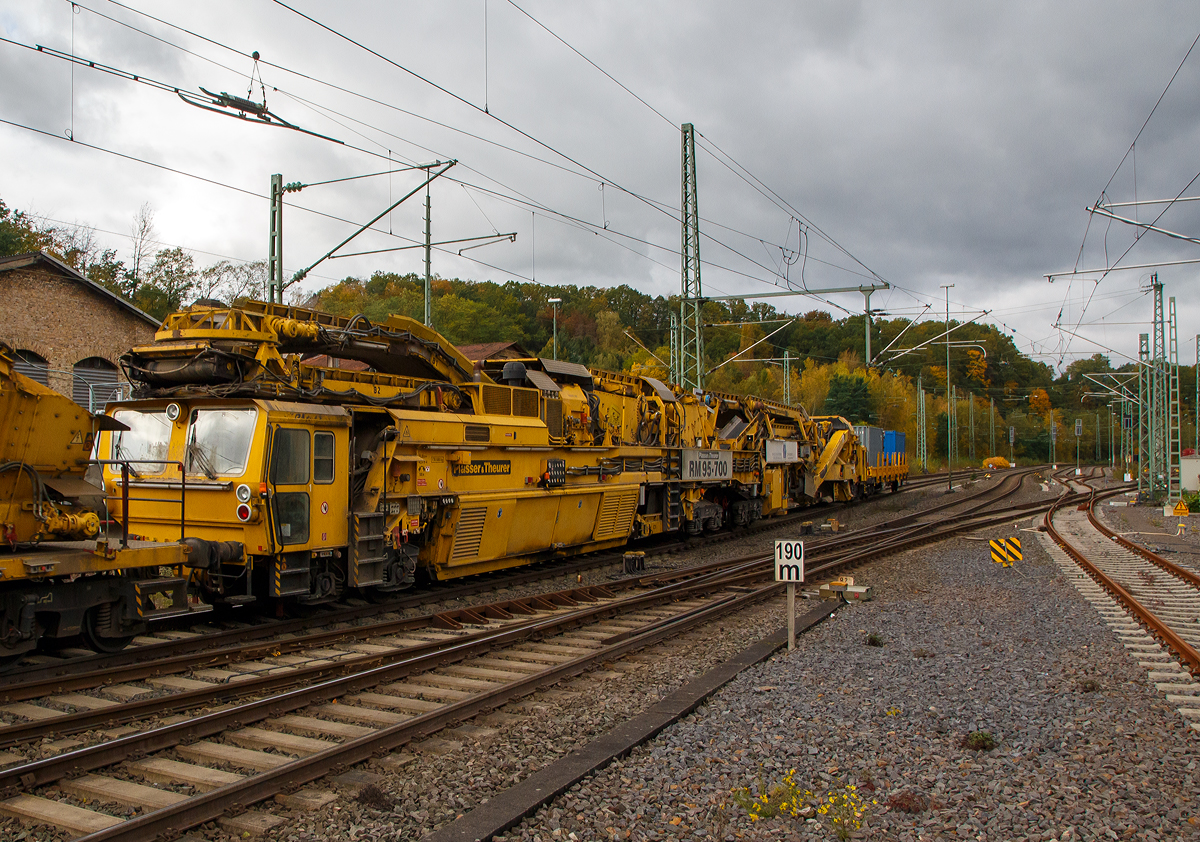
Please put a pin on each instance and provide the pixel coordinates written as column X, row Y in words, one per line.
column 839, row 143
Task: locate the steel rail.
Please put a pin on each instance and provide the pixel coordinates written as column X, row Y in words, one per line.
column 949, row 504
column 233, row 638
column 216, row 648
column 271, row 682
column 1189, row 576
column 453, row 619
column 237, row 796
column 1156, row 626
column 755, row 567
column 435, row 654
column 739, row 572
column 274, row 682
column 251, row 790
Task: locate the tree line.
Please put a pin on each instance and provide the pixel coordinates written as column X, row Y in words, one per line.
column 620, row 328
column 157, row 281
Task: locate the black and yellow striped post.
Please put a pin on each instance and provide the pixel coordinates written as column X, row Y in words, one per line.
column 1014, row 550
column 1006, row 550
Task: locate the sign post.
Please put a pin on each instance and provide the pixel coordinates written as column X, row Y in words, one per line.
column 1078, row 433
column 789, row 568
column 1012, row 437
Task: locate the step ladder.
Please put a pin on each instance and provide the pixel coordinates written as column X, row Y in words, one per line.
column 368, row 549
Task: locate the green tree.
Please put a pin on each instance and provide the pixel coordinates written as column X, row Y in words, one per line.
column 849, row 397
column 107, row 271
column 20, row 233
column 169, row 281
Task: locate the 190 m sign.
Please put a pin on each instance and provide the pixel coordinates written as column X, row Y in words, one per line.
column 789, row 561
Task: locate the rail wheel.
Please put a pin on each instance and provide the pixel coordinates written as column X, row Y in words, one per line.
column 13, row 645
column 96, row 623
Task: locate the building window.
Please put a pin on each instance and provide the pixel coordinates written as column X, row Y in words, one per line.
column 94, row 383
column 34, row 366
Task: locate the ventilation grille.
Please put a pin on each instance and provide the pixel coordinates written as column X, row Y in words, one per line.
column 554, row 418
column 616, row 514
column 525, row 402
column 469, row 533
column 497, row 400
column 477, row 432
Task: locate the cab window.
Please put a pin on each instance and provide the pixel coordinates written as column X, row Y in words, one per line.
column 148, row 438
column 290, row 457
column 323, row 457
column 219, row 441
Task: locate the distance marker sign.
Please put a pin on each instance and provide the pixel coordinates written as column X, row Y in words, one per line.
column 789, row 561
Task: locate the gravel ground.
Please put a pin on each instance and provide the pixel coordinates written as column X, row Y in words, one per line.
column 967, row 646
column 1085, row 747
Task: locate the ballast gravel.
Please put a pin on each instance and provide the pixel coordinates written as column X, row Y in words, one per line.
column 1086, row 748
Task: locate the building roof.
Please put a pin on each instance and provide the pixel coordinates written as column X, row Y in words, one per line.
column 41, row 260
column 494, row 350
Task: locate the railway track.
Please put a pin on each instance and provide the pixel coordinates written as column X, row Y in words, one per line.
column 1152, row 604
column 180, row 636
column 294, row 722
column 286, row 739
column 269, row 651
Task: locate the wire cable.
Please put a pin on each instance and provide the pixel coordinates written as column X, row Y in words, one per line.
column 662, row 207
column 163, row 86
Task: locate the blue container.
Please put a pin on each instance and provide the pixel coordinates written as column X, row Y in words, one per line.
column 893, row 441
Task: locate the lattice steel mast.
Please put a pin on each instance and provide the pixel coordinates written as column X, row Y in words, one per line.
column 1174, row 448
column 691, row 345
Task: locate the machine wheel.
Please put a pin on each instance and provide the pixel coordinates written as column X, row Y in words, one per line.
column 95, row 619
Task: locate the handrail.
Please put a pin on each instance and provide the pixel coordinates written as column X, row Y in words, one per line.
column 125, row 498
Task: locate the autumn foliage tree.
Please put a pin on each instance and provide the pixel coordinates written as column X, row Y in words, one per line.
column 1039, row 402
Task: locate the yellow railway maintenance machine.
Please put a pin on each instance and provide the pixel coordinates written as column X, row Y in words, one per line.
column 63, row 570
column 304, row 481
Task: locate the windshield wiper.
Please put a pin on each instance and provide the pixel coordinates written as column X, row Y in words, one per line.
column 120, row 455
column 197, row 457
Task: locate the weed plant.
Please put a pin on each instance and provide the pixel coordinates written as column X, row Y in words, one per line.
column 785, row 799
column 843, row 808
column 845, row 811
column 979, row 741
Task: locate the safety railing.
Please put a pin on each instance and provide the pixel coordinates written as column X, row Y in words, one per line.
column 128, row 469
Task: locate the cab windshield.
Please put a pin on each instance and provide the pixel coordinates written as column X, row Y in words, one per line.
column 148, row 438
column 218, row 442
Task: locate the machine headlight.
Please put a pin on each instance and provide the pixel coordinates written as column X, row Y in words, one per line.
column 243, row 493
column 173, row 411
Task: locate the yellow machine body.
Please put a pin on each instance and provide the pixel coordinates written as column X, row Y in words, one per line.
column 301, row 481
column 60, row 572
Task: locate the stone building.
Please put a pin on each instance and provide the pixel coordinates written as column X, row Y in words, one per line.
column 68, row 332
